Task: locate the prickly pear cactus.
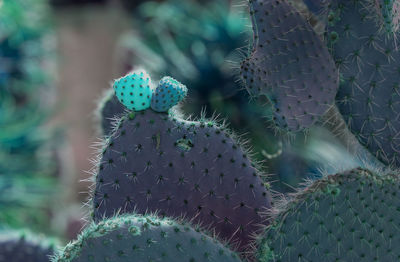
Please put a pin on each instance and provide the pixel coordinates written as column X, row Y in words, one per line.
column 289, row 64
column 144, row 238
column 24, row 247
column 369, row 64
column 161, row 163
column 351, row 216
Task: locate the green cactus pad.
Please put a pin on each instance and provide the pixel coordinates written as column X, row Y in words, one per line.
column 134, row 90
column 136, row 238
column 352, row 216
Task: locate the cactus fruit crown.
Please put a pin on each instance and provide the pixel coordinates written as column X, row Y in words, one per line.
column 22, row 246
column 136, row 93
column 343, row 217
column 132, row 237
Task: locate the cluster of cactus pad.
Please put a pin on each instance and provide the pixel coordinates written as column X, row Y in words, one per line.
column 351, row 215
column 25, row 165
column 355, row 68
column 172, row 189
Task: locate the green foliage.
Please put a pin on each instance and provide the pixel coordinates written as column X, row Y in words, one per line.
column 24, row 171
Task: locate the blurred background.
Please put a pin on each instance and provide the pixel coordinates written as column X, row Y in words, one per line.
column 59, row 57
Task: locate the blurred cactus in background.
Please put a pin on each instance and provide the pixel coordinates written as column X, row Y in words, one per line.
column 23, row 246
column 25, row 164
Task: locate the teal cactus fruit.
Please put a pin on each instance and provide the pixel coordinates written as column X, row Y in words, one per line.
column 168, row 93
column 21, row 246
column 369, row 64
column 290, row 65
column 350, row 216
column 159, row 162
column 136, row 238
column 134, row 90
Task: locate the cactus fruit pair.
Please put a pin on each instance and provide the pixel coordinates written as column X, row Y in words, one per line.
column 112, row 106
column 131, row 238
column 289, row 64
column 24, row 247
column 135, row 92
column 157, row 162
column 351, row 216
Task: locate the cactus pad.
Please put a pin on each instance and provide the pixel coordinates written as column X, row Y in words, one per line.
column 24, row 247
column 134, row 90
column 369, row 63
column 158, row 162
column 143, row 239
column 168, row 93
column 352, row 216
column 289, row 64
column 108, row 111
